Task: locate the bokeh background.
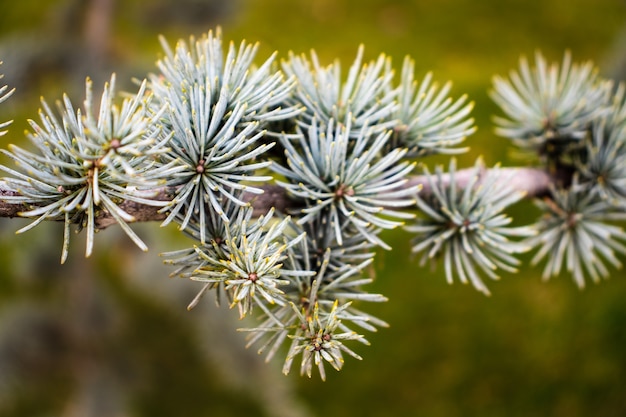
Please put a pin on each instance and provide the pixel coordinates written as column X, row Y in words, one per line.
column 110, row 336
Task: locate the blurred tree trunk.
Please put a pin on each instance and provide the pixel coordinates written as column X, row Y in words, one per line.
column 98, row 22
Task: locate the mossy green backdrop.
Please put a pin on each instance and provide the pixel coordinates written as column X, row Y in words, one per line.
column 531, row 349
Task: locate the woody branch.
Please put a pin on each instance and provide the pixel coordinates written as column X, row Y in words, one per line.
column 533, row 182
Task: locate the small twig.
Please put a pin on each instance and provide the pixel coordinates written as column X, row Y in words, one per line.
column 532, row 181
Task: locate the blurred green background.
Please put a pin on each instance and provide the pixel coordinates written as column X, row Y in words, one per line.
column 110, row 336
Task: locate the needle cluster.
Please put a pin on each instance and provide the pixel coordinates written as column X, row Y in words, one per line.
column 575, row 123
column 87, row 162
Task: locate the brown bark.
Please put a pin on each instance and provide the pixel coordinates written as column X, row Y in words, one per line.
column 531, row 181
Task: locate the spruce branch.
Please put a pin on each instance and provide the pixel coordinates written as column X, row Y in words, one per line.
column 533, row 182
column 576, row 232
column 218, row 107
column 575, row 122
column 346, row 179
column 549, row 106
column 284, row 175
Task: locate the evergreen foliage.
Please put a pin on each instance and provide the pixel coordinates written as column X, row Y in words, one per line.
column 468, row 226
column 89, row 162
column 575, row 122
column 218, row 106
column 211, row 128
column 4, row 94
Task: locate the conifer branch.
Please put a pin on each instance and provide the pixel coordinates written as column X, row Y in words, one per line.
column 196, row 144
column 533, row 182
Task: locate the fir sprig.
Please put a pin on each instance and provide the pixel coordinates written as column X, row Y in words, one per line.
column 252, row 269
column 218, row 104
column 467, row 226
column 572, row 119
column 347, row 180
column 337, row 278
column 86, row 164
column 320, row 341
column 549, row 107
column 576, row 232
